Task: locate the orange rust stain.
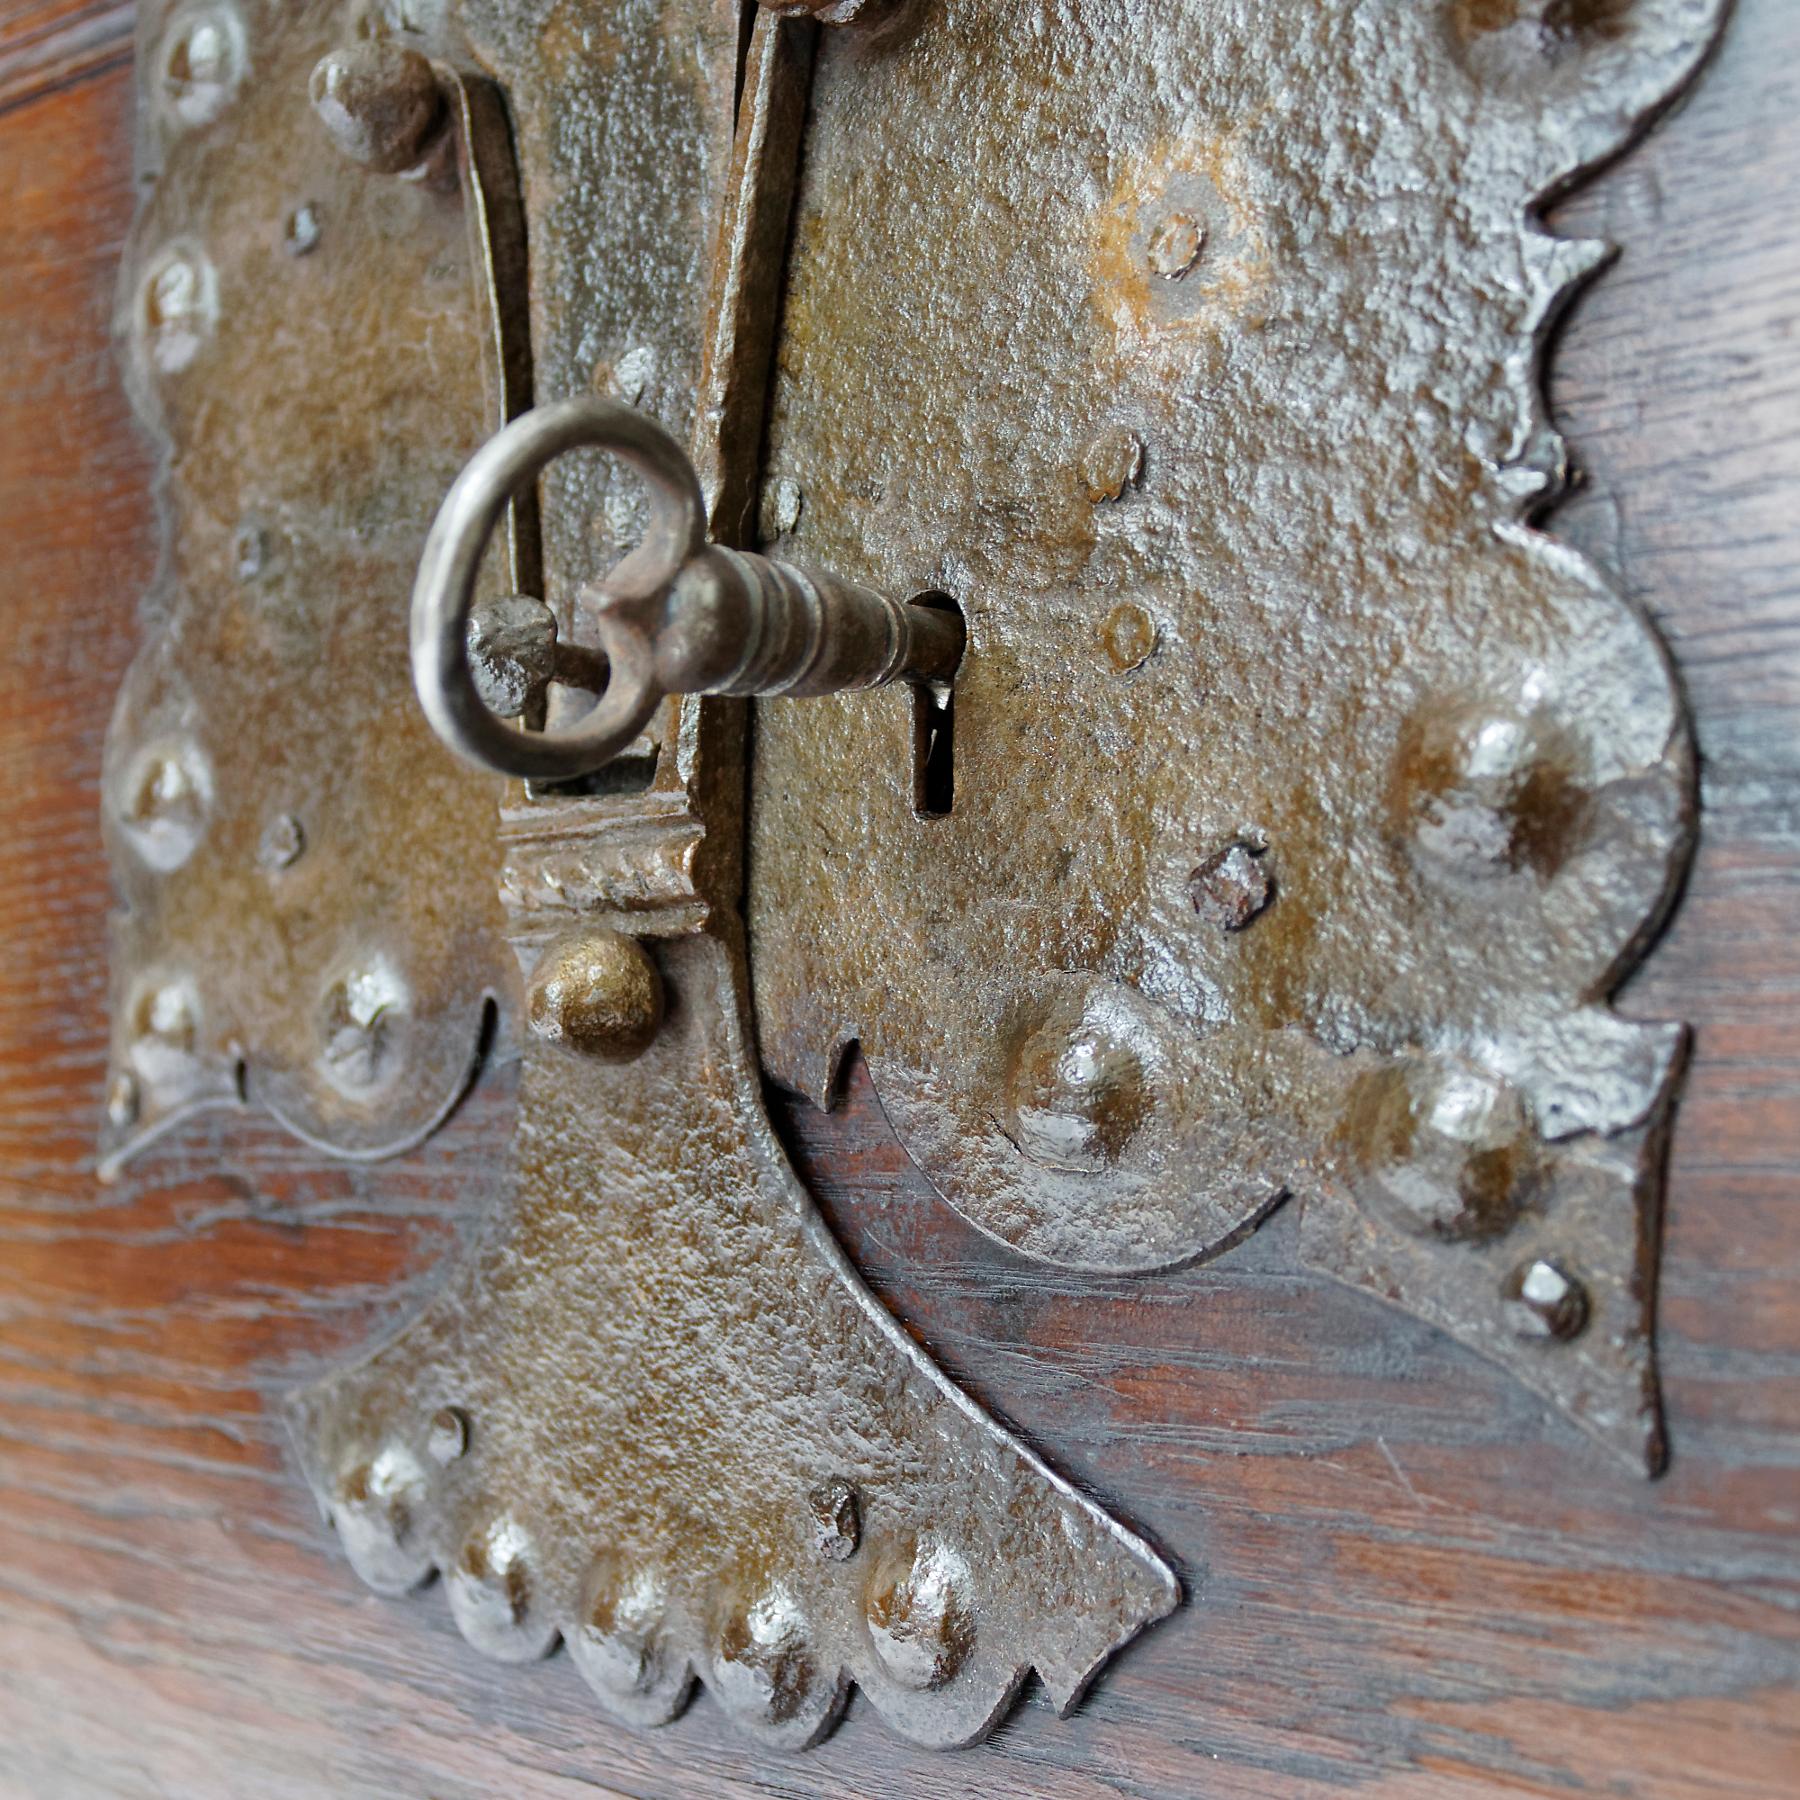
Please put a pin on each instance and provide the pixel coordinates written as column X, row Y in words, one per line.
column 1199, row 178
column 1567, row 20
column 1476, row 16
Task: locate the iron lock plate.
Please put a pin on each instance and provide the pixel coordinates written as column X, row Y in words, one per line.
column 1298, row 807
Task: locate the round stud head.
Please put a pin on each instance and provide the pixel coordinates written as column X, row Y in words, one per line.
column 1129, row 637
column 599, row 994
column 1112, row 462
column 618, row 1641
column 765, row 1670
column 363, row 1018
column 921, row 1616
column 1232, row 886
column 494, row 1598
column 164, row 803
column 1442, row 1148
column 282, row 843
column 300, row 231
column 1175, row 246
column 381, row 103
column 376, row 1507
column 178, row 306
column 1543, row 1300
column 1078, row 1096
column 1485, row 790
column 447, row 1437
column 202, row 63
column 165, row 1019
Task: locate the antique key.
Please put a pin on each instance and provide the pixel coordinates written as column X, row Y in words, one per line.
column 677, row 616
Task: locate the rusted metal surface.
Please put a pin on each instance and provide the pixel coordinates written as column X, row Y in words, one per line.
column 657, row 1415
column 322, row 314
column 1309, row 803
column 744, row 303
column 309, row 918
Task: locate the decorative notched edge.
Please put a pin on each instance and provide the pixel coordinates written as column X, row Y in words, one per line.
column 810, row 1505
column 282, row 940
column 780, row 1541
column 1558, row 1285
column 1568, row 1307
column 904, row 1626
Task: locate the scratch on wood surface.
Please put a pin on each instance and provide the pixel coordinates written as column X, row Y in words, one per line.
column 1393, row 1462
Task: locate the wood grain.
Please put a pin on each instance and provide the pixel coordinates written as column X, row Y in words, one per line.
column 50, row 44
column 1406, row 1577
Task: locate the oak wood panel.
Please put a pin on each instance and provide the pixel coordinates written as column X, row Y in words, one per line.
column 47, row 44
column 1405, row 1575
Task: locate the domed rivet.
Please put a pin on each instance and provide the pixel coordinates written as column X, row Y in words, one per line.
column 1543, row 1300
column 921, row 1616
column 300, row 232
column 1485, row 790
column 282, row 843
column 597, row 993
column 1442, row 1148
column 178, row 305
column 167, row 1015
column 492, row 1592
column 167, row 796
column 1128, row 636
column 164, row 1022
column 361, row 1019
column 1078, row 1095
column 202, row 63
column 384, row 1488
column 765, row 1668
column 381, row 103
column 376, row 1507
column 618, row 1642
column 1175, row 246
column 447, row 1437
column 837, row 1520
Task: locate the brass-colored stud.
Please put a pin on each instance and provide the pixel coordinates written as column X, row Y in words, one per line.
column 597, row 993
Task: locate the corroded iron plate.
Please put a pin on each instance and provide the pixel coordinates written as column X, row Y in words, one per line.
column 1308, row 802
column 309, row 914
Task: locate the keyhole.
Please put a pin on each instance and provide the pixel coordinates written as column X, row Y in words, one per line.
column 934, row 735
